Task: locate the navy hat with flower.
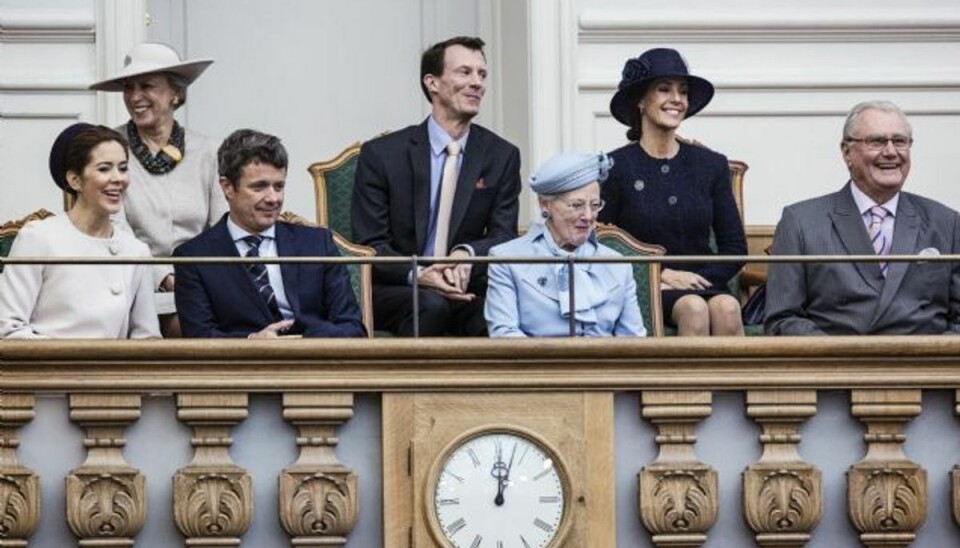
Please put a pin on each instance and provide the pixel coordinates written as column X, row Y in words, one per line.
column 640, row 72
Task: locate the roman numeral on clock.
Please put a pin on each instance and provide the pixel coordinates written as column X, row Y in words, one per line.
column 524, row 454
column 525, row 543
column 476, row 542
column 456, row 526
column 543, row 525
column 449, row 502
column 550, row 499
column 474, row 458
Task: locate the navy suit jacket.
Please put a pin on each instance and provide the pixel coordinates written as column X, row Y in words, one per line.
column 391, row 196
column 220, row 300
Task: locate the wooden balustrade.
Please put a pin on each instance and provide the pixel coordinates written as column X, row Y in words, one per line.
column 678, row 498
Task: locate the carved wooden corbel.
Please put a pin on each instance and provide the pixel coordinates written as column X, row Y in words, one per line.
column 678, row 493
column 318, row 494
column 782, row 494
column 955, row 474
column 886, row 492
column 106, row 497
column 212, row 496
column 19, row 486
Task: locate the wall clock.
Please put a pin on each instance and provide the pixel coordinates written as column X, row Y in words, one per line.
column 498, row 486
column 537, row 470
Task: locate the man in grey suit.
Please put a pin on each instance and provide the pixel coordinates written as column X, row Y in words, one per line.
column 869, row 215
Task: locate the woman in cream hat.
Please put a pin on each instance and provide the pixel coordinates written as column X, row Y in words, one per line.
column 533, row 300
column 80, row 301
column 174, row 191
column 670, row 192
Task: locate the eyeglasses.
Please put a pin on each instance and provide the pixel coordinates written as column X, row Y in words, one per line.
column 580, row 206
column 876, row 143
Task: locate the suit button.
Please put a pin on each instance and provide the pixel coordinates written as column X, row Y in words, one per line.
column 116, row 289
column 672, row 200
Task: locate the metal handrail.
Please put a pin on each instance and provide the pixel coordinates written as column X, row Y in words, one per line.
column 415, row 261
column 420, row 260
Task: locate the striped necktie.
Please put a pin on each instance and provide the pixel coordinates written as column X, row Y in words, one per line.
column 881, row 243
column 258, row 273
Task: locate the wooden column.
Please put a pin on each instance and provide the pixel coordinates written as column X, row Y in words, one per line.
column 212, row 496
column 886, row 492
column 318, row 494
column 782, row 494
column 678, row 493
column 106, row 497
column 19, row 486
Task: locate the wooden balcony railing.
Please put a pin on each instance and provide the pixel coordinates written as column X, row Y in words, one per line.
column 782, row 495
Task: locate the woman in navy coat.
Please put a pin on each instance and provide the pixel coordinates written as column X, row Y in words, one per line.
column 533, row 300
column 669, row 192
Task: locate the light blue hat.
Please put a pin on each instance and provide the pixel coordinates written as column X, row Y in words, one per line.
column 570, row 171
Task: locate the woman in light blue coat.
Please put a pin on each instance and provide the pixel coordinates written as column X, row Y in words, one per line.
column 533, row 300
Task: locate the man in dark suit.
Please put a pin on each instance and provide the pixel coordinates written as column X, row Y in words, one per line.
column 400, row 207
column 869, row 215
column 258, row 300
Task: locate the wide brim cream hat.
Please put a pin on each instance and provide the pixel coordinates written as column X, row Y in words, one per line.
column 149, row 58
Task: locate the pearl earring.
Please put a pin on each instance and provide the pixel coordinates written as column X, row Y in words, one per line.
column 545, row 214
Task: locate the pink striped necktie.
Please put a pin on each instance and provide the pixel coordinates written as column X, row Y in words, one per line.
column 880, row 241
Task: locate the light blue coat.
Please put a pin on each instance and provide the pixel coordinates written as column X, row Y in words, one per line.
column 530, row 300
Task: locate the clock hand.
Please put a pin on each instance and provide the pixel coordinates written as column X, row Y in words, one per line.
column 498, row 500
column 500, row 473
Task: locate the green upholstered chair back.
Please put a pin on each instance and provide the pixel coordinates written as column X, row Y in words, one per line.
column 333, row 187
column 361, row 275
column 9, row 230
column 647, row 275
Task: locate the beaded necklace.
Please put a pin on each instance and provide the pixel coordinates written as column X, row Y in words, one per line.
column 166, row 159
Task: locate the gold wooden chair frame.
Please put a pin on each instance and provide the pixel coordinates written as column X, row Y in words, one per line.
column 619, row 240
column 11, row 228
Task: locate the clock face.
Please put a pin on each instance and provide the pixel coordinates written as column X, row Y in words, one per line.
column 499, row 489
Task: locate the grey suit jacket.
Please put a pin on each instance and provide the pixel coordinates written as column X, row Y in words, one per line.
column 855, row 298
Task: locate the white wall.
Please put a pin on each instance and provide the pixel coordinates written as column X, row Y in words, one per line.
column 321, row 75
column 324, row 74
column 786, row 73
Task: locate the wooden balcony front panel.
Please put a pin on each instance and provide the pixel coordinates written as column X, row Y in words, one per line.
column 762, row 398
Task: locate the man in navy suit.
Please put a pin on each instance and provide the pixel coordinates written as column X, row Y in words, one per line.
column 255, row 301
column 398, row 199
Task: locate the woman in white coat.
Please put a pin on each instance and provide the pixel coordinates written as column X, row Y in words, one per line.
column 81, row 301
column 533, row 300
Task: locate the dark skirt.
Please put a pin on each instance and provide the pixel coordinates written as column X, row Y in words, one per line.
column 669, row 297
